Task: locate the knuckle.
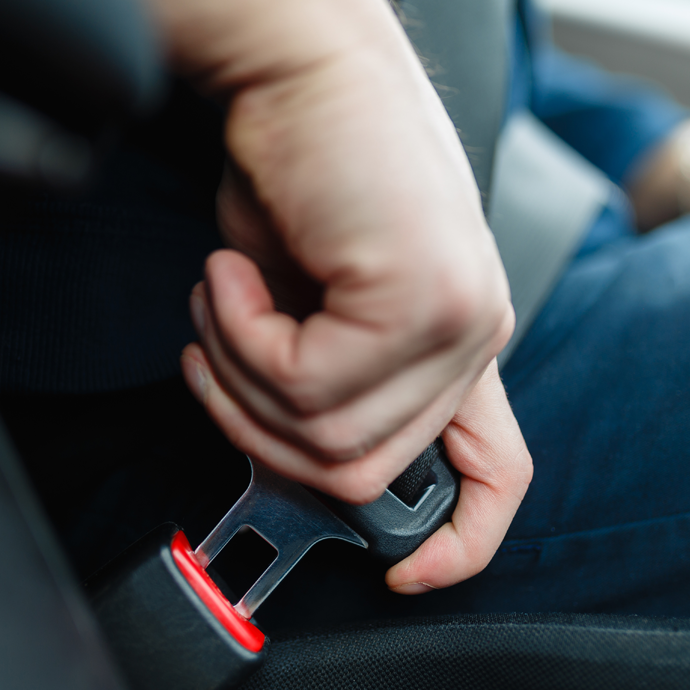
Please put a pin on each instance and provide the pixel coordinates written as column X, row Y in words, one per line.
column 303, row 398
column 505, row 328
column 495, row 310
column 477, row 554
column 335, row 442
column 514, row 478
column 525, row 470
column 356, row 489
column 478, row 303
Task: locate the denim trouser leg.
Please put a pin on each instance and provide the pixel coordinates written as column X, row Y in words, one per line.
column 601, row 388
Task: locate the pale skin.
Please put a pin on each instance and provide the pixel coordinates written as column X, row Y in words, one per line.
column 350, row 202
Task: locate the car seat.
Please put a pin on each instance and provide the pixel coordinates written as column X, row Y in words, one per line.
column 49, row 638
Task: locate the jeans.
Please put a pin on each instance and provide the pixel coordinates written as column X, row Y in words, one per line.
column 600, row 389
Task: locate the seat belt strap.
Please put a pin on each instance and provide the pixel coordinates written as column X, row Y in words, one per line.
column 545, row 197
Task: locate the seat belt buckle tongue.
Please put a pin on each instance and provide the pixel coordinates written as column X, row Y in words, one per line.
column 288, row 517
column 168, row 623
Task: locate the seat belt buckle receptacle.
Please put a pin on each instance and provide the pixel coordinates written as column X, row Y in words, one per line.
column 169, row 624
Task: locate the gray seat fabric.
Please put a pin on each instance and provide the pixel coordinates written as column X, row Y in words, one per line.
column 464, row 46
column 544, row 195
column 544, row 198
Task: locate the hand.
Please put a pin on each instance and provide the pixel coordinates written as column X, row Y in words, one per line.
column 484, row 443
column 659, row 184
column 348, row 181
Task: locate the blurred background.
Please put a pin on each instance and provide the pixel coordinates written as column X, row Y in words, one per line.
column 649, row 38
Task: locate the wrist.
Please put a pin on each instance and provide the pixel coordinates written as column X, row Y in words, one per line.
column 659, row 186
column 683, row 174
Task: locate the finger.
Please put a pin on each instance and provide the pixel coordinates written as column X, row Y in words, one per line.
column 349, row 430
column 485, row 444
column 331, row 357
column 360, row 481
column 245, row 225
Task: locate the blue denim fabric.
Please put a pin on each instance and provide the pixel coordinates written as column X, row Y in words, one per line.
column 600, row 388
column 599, row 384
column 616, row 221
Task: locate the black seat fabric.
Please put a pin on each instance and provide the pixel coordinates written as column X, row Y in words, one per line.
column 491, row 652
column 48, row 640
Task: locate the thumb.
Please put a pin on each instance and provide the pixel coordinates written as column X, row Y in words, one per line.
column 484, row 442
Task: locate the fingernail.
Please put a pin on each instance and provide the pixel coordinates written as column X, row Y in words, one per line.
column 413, row 588
column 197, row 382
column 197, row 309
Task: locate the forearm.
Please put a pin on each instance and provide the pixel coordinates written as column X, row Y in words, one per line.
column 224, row 45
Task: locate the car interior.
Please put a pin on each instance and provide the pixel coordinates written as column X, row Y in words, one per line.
column 59, row 122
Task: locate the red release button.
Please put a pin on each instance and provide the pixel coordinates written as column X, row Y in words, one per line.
column 248, row 635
